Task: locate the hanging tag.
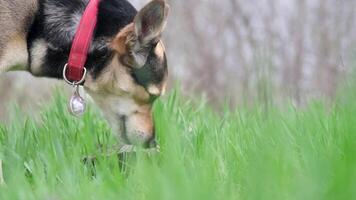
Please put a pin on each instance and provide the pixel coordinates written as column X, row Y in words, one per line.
column 77, row 103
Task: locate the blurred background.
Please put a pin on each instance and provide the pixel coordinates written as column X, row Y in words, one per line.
column 257, row 51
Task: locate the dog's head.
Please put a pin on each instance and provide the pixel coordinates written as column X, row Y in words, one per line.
column 135, row 76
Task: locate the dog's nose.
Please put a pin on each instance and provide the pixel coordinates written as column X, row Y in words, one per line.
column 151, row 143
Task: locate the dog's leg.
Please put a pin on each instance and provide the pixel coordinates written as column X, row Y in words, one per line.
column 2, row 181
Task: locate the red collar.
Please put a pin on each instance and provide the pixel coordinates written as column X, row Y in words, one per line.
column 75, row 71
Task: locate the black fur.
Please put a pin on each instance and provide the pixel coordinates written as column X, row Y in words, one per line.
column 54, row 23
column 151, row 75
column 113, row 16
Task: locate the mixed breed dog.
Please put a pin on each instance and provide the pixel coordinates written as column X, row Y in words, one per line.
column 126, row 64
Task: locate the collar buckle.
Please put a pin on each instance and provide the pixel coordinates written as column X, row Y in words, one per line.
column 73, row 83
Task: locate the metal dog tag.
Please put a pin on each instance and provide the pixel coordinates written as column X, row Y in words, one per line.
column 77, row 103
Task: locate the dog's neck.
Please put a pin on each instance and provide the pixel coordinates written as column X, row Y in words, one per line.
column 50, row 37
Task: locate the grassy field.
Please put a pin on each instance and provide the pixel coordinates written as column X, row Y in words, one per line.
column 247, row 153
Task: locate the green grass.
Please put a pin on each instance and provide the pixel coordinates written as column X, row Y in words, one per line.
column 285, row 153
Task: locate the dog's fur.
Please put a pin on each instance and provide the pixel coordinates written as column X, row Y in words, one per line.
column 127, row 65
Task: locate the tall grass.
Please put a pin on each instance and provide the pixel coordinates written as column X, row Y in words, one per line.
column 285, row 153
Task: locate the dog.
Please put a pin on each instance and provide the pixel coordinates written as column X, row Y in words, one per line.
column 127, row 63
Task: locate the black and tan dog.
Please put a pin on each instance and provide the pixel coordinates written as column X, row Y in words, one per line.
column 127, row 66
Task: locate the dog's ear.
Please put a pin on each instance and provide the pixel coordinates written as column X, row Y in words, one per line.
column 150, row 21
column 149, row 24
column 138, row 38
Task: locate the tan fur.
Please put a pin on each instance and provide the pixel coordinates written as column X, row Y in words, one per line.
column 15, row 57
column 117, row 80
column 15, row 17
column 142, row 122
column 116, row 93
column 159, row 50
column 154, row 90
column 120, row 41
